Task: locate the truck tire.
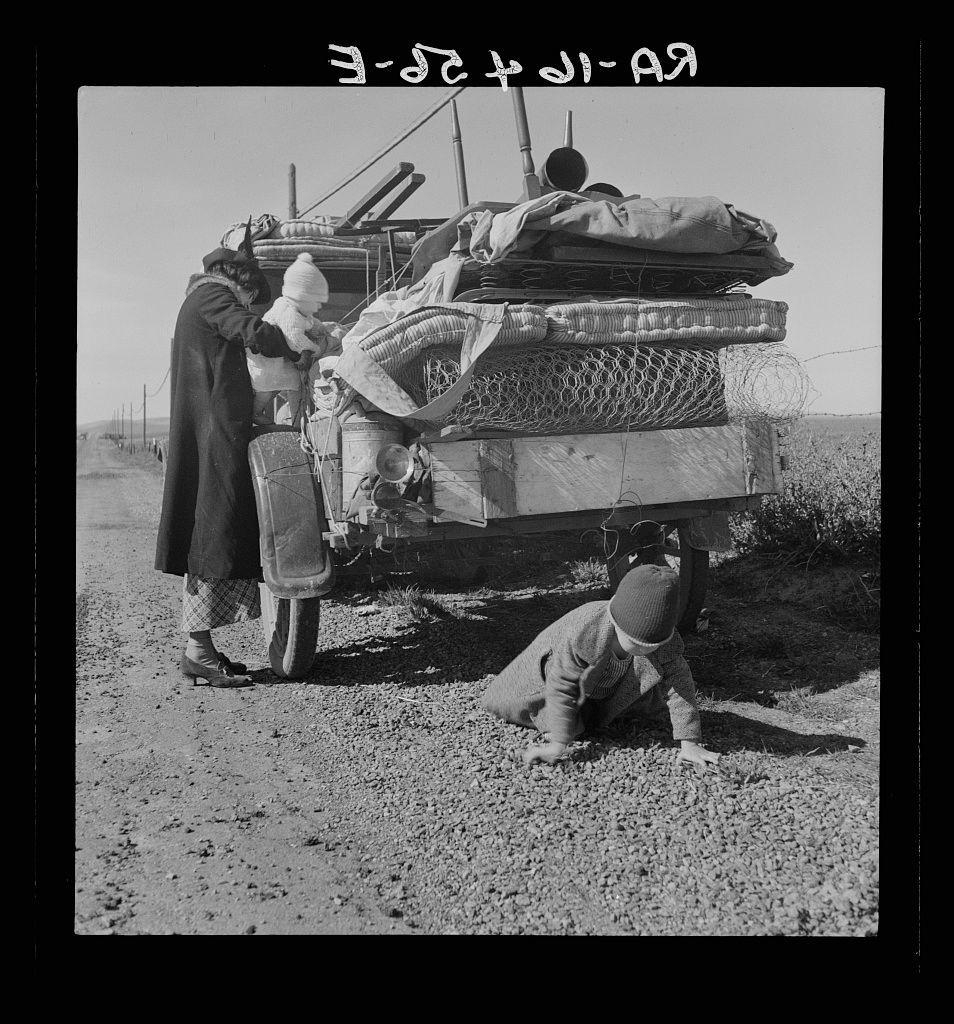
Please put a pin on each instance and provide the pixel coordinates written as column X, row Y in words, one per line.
column 693, row 566
column 291, row 632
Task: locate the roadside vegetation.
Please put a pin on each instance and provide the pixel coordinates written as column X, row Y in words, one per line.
column 831, row 507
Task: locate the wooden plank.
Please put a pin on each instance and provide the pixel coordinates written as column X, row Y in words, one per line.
column 576, row 472
column 413, row 184
column 381, row 189
column 455, row 474
column 760, row 452
column 497, row 478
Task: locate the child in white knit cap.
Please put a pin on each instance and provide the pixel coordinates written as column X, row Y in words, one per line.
column 304, row 291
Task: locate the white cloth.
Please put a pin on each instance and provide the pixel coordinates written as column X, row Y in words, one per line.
column 278, row 374
column 435, row 288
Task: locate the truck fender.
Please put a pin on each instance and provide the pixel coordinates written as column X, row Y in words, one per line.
column 296, row 559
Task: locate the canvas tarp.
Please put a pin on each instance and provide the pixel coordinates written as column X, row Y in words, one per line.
column 678, row 224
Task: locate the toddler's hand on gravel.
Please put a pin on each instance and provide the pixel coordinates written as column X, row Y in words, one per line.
column 695, row 754
column 548, row 752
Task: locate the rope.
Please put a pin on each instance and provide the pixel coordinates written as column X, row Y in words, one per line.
column 387, row 149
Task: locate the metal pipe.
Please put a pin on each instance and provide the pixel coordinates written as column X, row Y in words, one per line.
column 458, row 157
column 292, row 194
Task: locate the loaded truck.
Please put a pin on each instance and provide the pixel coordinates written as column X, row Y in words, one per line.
column 660, row 485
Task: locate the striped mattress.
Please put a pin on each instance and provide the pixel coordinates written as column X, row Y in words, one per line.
column 400, row 342
column 320, row 248
column 703, row 322
column 324, row 248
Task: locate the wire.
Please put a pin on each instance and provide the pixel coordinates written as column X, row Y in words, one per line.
column 377, row 291
column 162, row 382
column 138, row 409
column 844, row 415
column 841, row 351
column 426, row 116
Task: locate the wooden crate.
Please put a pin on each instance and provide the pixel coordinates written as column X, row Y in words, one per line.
column 505, row 477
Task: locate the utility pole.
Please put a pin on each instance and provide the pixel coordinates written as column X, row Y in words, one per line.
column 144, row 417
column 122, row 424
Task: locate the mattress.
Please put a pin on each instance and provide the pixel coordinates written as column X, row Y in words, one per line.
column 703, row 322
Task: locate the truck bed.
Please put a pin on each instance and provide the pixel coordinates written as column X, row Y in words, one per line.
column 494, row 478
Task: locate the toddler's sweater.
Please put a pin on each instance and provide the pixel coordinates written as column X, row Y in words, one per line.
column 279, row 374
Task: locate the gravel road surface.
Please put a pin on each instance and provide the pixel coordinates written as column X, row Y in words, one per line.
column 375, row 797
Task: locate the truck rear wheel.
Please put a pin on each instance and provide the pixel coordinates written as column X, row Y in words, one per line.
column 291, row 632
column 693, row 566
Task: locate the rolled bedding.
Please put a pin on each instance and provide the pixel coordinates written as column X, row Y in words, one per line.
column 398, row 343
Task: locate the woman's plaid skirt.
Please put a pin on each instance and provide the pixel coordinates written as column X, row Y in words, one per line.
column 209, row 603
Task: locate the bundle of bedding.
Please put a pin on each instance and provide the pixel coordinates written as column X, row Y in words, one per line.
column 399, row 343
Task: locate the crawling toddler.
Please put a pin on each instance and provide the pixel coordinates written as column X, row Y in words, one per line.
column 602, row 661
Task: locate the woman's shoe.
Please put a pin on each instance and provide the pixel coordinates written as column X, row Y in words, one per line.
column 223, row 676
column 235, row 667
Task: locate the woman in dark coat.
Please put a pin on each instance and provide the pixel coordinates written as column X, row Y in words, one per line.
column 208, row 532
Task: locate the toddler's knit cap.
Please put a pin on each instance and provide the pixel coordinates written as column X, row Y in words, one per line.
column 646, row 603
column 303, row 280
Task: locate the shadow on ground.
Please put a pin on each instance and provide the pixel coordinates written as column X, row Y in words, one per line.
column 728, row 732
column 775, row 629
column 770, row 633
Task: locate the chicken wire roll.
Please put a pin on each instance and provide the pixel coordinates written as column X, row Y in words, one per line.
column 557, row 389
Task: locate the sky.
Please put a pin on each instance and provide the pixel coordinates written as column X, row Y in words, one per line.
column 163, row 172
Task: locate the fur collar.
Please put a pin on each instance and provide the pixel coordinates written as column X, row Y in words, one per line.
column 197, row 280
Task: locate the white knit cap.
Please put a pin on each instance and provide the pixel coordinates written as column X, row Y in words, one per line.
column 303, row 280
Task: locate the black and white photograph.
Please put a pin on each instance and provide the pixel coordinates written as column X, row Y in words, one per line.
column 479, row 498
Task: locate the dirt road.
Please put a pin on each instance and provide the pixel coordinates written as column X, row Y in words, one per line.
column 186, row 820
column 376, row 796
